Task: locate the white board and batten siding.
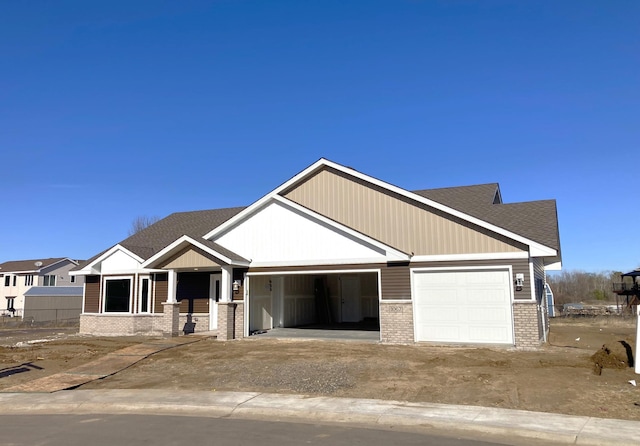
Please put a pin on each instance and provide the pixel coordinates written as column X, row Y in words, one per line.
column 119, row 261
column 279, row 235
column 463, row 306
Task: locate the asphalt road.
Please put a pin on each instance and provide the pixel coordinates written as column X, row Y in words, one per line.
column 134, row 430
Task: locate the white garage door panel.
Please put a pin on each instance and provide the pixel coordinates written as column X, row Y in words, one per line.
column 471, row 306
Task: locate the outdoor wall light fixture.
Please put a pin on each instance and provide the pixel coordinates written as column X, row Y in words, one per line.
column 236, row 286
column 519, row 281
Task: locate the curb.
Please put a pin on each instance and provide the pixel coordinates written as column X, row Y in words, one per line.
column 516, row 424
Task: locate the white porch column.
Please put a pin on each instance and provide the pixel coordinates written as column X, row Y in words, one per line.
column 226, row 283
column 173, row 283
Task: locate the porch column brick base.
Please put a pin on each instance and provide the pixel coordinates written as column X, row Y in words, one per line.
column 171, row 319
column 226, row 320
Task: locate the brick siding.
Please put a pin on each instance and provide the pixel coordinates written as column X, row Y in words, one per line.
column 396, row 322
column 121, row 324
column 238, row 332
column 526, row 325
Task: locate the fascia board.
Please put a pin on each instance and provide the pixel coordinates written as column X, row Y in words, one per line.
column 137, row 271
column 184, row 241
column 107, row 253
column 20, row 272
column 542, row 251
column 391, row 251
column 556, row 266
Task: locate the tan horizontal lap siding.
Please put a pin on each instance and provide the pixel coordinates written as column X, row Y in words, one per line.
column 92, row 294
column 394, row 219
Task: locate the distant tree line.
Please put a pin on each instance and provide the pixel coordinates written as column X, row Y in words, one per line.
column 581, row 286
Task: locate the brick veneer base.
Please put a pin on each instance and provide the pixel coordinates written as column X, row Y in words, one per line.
column 121, row 324
column 526, row 325
column 396, row 322
column 194, row 323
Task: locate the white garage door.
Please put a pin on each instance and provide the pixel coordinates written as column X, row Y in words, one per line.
column 463, row 306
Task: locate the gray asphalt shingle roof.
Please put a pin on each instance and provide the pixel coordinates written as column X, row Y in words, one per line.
column 27, row 265
column 195, row 224
column 535, row 220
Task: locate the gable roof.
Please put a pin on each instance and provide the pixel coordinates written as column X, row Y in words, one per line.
column 464, row 198
column 154, row 238
column 534, row 223
column 19, row 266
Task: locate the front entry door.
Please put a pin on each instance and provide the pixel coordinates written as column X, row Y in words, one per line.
column 214, row 298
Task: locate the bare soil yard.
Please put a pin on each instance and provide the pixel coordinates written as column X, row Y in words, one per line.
column 557, row 378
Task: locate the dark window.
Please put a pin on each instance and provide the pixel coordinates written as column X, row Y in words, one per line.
column 7, row 280
column 72, row 279
column 50, row 280
column 28, row 280
column 15, row 280
column 10, row 304
column 117, row 295
column 144, row 296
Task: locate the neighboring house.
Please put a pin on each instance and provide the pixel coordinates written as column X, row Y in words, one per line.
column 40, row 279
column 336, row 246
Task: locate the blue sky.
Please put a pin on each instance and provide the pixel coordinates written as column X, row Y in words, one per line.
column 117, row 109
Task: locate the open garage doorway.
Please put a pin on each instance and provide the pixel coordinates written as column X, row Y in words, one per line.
column 331, row 305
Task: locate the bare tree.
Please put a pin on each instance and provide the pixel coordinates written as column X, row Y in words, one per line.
column 141, row 222
column 580, row 286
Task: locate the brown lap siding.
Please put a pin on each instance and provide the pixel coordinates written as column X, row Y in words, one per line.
column 92, row 294
column 161, row 285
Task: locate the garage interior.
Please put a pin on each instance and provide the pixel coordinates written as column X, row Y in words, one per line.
column 332, row 305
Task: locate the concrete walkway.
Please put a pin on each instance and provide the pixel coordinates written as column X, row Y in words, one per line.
column 104, row 366
column 511, row 425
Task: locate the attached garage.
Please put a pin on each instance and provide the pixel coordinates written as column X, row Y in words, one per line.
column 332, row 301
column 463, row 306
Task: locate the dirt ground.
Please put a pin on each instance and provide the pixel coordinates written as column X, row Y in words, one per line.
column 557, row 378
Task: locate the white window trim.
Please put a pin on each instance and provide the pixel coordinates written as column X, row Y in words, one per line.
column 104, row 290
column 149, row 294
